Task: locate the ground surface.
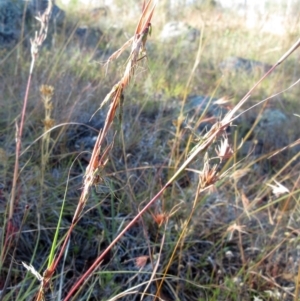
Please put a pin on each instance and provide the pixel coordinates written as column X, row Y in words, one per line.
column 237, row 240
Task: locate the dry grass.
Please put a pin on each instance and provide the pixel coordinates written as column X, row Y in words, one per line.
column 217, row 233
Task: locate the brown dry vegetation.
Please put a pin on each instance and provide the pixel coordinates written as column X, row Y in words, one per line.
column 236, row 240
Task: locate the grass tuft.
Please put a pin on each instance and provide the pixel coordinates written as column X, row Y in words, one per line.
column 145, row 169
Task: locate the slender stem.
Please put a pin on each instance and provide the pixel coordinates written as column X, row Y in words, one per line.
column 101, row 257
column 19, row 133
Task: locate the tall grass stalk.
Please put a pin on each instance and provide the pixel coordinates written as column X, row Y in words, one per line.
column 36, row 43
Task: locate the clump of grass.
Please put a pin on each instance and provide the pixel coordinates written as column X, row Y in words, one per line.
column 209, row 231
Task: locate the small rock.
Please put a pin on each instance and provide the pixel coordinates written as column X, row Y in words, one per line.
column 272, row 118
column 11, row 18
column 36, row 7
column 200, row 102
column 235, row 64
column 251, row 147
column 84, row 136
column 272, row 129
column 196, row 105
column 272, row 132
column 174, row 31
column 88, row 37
column 10, row 23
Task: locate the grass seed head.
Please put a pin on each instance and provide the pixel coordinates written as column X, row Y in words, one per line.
column 141, row 261
column 279, row 189
column 224, row 151
column 48, row 123
column 209, row 175
column 47, row 91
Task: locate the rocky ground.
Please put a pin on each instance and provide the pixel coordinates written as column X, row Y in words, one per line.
column 241, row 243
